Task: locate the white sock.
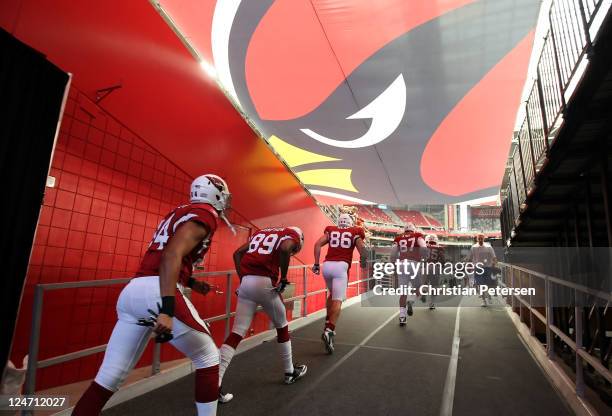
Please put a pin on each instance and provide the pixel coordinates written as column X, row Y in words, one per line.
column 286, row 356
column 402, row 311
column 226, row 353
column 207, row 409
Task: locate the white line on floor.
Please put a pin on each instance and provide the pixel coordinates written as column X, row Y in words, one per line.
column 374, row 347
column 448, row 395
column 339, row 362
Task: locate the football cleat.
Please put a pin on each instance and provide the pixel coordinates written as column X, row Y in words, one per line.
column 432, row 306
column 299, row 371
column 328, row 340
column 224, row 397
column 409, row 309
column 402, row 321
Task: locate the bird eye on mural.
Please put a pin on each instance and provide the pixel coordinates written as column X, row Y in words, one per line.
column 386, row 98
column 386, row 112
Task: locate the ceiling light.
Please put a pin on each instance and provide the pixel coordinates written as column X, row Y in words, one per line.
column 209, row 69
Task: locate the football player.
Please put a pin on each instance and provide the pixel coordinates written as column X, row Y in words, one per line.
column 435, row 257
column 342, row 240
column 407, row 246
column 153, row 301
column 258, row 262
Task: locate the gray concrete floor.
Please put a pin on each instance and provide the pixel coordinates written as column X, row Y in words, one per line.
column 381, row 369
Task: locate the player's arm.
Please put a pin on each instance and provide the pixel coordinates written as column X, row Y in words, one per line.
column 470, row 256
column 238, row 256
column 188, row 236
column 394, row 253
column 199, row 286
column 317, row 252
column 494, row 261
column 286, row 250
column 363, row 252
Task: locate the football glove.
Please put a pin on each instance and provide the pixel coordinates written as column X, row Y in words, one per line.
column 316, row 268
column 151, row 321
column 281, row 286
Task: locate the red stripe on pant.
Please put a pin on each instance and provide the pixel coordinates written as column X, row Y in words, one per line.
column 282, row 334
column 233, row 340
column 207, row 384
column 92, row 401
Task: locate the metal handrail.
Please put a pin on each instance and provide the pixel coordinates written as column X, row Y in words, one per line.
column 575, row 345
column 40, row 289
column 567, row 42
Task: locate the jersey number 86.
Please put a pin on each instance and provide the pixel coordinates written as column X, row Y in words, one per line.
column 337, row 239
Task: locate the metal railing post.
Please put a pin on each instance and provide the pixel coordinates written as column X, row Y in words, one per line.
column 543, row 110
column 578, row 332
column 557, row 65
column 30, row 383
column 228, row 304
column 533, row 159
column 521, row 306
column 305, row 282
column 550, row 350
column 155, row 365
column 358, row 279
column 587, row 36
column 531, row 320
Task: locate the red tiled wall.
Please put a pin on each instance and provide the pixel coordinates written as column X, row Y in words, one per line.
column 111, row 190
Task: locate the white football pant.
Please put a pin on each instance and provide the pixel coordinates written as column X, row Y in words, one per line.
column 129, row 339
column 335, row 274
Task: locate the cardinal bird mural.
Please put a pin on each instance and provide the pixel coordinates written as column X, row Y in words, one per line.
column 390, row 101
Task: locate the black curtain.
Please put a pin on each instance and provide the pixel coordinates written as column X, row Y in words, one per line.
column 31, row 93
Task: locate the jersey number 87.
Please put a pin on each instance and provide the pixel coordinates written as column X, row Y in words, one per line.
column 404, row 245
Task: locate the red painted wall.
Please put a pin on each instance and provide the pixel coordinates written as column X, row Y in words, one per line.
column 111, row 190
column 116, row 176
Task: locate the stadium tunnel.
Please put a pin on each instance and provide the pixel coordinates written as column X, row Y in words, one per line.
column 306, row 109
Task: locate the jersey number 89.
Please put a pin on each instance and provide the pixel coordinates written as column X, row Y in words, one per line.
column 267, row 241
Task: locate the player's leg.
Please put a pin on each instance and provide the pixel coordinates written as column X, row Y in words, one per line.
column 336, row 279
column 422, row 281
column 339, row 287
column 245, row 310
column 482, row 279
column 329, row 284
column 123, row 351
column 274, row 307
column 405, row 305
column 125, row 346
column 201, row 349
column 402, row 282
column 434, row 282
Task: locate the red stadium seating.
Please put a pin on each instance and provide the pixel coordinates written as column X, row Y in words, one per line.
column 414, row 217
column 374, row 214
